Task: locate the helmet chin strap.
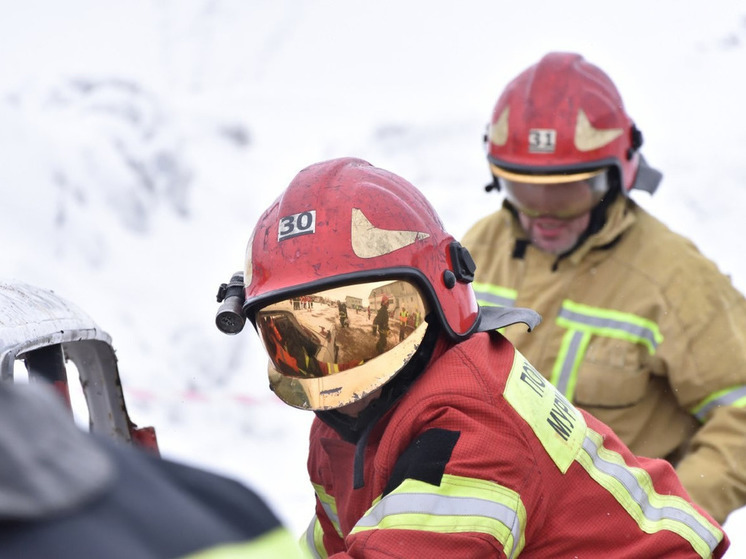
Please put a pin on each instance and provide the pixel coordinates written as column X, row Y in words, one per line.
column 494, row 185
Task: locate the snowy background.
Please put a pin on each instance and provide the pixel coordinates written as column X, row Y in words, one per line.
column 141, row 140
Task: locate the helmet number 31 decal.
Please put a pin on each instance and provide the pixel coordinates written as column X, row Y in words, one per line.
column 542, row 140
column 297, row 224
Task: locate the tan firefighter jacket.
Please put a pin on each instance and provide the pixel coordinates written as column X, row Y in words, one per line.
column 639, row 329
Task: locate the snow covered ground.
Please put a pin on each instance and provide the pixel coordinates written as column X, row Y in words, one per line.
column 140, row 141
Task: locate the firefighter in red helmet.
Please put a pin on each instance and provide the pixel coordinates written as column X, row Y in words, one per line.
column 448, row 442
column 640, row 329
column 381, row 324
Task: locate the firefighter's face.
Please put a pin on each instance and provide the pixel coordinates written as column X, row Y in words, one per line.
column 552, row 234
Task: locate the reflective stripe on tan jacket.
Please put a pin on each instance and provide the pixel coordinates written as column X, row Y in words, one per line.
column 641, row 330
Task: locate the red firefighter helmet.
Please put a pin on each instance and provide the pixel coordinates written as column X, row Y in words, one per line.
column 564, row 116
column 344, row 223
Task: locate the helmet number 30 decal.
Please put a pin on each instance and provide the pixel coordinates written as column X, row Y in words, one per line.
column 542, row 140
column 297, row 224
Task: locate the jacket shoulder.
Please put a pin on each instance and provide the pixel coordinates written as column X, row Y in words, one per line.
column 485, row 359
column 671, row 261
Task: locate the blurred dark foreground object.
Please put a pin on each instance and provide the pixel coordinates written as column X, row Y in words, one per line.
column 65, row 493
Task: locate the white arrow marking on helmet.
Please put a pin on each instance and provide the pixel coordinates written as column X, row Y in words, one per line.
column 499, row 130
column 588, row 138
column 248, row 272
column 368, row 241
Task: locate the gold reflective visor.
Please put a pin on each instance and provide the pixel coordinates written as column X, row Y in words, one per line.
column 556, row 178
column 330, row 348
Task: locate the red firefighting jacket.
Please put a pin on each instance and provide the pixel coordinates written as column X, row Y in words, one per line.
column 483, row 457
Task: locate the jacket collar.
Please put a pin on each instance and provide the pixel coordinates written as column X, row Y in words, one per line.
column 357, row 430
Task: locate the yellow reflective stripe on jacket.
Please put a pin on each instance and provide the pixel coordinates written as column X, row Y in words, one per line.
column 276, row 543
column 734, row 396
column 457, row 505
column 312, row 541
column 610, row 324
column 329, row 505
column 565, row 436
column 494, row 295
column 584, row 321
column 653, row 512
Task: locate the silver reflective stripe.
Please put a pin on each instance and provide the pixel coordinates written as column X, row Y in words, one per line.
column 581, row 322
column 638, row 494
column 568, row 365
column 440, row 505
column 725, row 400
column 487, row 298
column 331, row 515
column 596, row 322
column 309, row 539
column 329, row 505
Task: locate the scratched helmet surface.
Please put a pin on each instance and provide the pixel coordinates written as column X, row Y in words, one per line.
column 564, row 116
column 342, row 224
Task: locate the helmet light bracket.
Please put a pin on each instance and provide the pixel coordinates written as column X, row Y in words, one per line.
column 635, row 137
column 462, row 262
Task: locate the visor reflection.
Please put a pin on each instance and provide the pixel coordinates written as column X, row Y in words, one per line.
column 330, row 348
